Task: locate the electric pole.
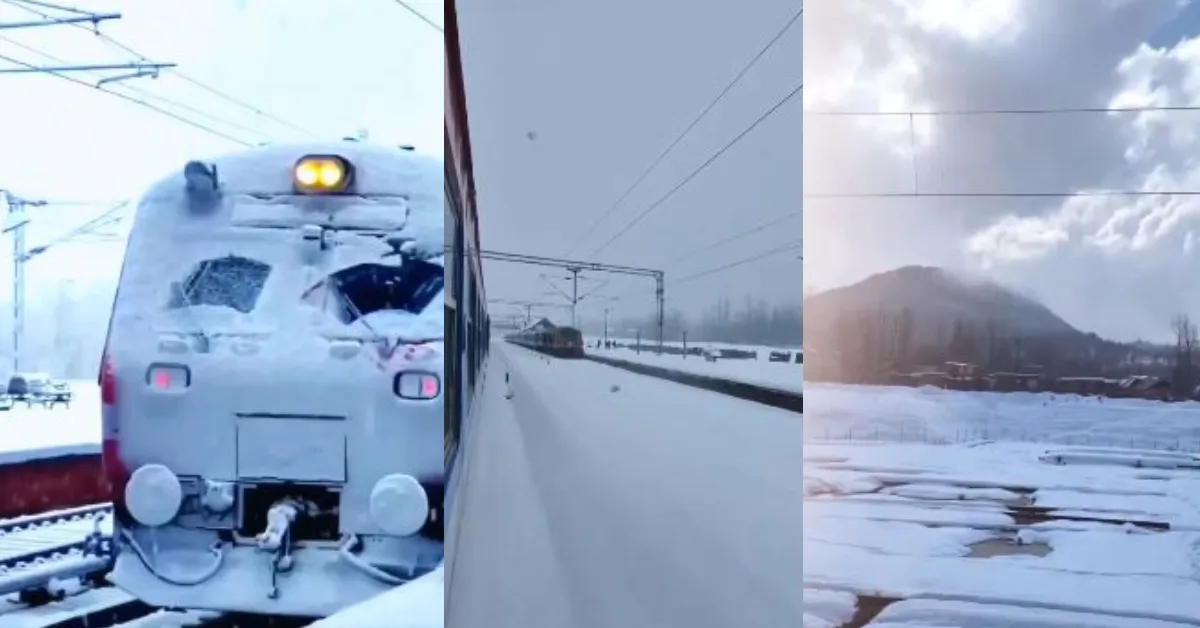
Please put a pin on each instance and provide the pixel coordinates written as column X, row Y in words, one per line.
column 574, row 270
column 575, row 267
column 16, row 206
column 18, row 219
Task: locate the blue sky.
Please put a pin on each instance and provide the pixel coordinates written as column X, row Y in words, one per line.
column 329, row 68
column 1185, row 24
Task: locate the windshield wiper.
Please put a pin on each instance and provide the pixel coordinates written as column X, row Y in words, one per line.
column 205, row 338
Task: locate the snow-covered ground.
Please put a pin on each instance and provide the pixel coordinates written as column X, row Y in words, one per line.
column 598, row 497
column 83, row 602
column 778, row 375
column 933, row 415
column 937, row 508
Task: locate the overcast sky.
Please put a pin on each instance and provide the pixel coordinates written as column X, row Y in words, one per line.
column 1121, row 267
column 571, row 101
column 329, row 68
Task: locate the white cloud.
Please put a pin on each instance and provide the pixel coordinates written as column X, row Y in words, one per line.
column 1088, row 257
column 977, row 21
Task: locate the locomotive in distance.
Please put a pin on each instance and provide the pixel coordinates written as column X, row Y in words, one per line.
column 550, row 339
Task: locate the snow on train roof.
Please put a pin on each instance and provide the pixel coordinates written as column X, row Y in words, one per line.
column 379, row 170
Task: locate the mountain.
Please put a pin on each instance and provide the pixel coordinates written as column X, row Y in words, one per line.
column 919, row 317
column 937, row 300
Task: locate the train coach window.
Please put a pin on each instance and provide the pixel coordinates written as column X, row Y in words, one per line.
column 368, row 288
column 233, row 282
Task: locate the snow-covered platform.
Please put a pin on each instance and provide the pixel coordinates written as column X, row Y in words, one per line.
column 50, row 458
column 591, row 492
column 28, row 434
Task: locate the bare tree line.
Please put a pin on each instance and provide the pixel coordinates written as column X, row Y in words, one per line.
column 1183, row 372
column 754, row 323
column 869, row 346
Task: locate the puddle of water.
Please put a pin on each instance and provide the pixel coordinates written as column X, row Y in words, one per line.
column 990, row 548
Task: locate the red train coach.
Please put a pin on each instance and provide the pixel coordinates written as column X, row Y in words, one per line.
column 467, row 322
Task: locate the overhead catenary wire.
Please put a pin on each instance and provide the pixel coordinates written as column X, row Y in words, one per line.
column 786, row 248
column 174, row 72
column 421, row 16
column 735, row 237
column 1032, row 111
column 1010, row 111
column 47, row 5
column 170, row 114
column 686, row 131
column 964, row 195
column 703, row 166
column 725, row 241
column 146, row 93
column 797, row 245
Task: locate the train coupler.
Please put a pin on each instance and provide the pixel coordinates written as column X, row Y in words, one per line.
column 277, row 539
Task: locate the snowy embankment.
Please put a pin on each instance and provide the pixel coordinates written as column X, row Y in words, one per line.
column 933, row 415
column 783, row 376
column 989, row 531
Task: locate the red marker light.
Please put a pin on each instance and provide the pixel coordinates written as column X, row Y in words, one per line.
column 417, row 385
column 430, row 387
column 169, row 377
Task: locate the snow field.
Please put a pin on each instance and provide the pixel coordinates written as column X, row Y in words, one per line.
column 933, row 415
column 992, row 530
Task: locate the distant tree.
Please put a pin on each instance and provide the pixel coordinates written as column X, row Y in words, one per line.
column 1186, row 338
column 958, row 341
column 904, row 338
column 992, row 340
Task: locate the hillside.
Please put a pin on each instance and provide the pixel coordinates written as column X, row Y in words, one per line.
column 919, row 316
column 937, row 299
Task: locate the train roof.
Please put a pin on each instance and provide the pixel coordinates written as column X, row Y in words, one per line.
column 379, row 170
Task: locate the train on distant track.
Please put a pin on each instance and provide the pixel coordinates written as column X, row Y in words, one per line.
column 550, row 339
column 272, row 379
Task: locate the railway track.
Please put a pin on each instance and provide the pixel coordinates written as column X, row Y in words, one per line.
column 107, row 607
column 36, row 549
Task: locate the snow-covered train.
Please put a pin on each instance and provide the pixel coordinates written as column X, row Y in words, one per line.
column 546, row 337
column 272, row 380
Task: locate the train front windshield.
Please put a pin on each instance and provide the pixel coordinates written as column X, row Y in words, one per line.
column 366, row 292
